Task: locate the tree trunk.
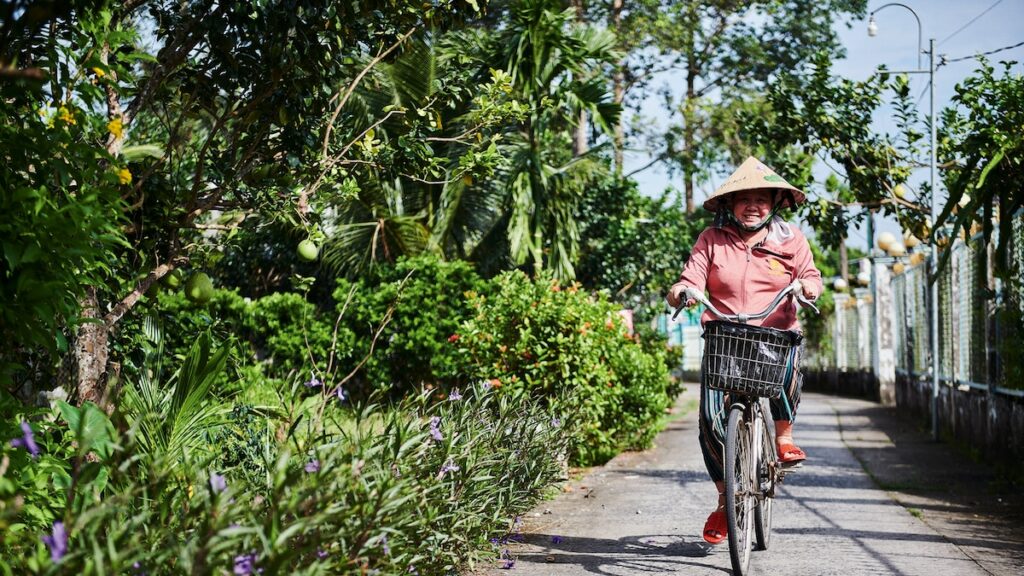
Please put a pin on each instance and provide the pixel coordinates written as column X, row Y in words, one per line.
column 844, row 263
column 689, row 173
column 619, row 88
column 91, row 351
column 579, row 141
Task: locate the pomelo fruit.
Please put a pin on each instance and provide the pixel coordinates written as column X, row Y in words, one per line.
column 199, row 288
column 308, row 251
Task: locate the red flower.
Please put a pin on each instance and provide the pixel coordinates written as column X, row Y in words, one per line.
column 453, row 338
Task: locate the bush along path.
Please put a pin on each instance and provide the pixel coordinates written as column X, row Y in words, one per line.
column 415, row 488
column 218, row 459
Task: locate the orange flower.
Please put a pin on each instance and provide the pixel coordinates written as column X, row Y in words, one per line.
column 495, row 383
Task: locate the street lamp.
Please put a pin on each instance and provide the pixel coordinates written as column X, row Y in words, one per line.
column 933, row 292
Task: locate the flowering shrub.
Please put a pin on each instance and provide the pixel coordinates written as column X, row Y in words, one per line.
column 419, row 487
column 571, row 350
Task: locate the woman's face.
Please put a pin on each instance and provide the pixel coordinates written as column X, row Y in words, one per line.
column 751, row 207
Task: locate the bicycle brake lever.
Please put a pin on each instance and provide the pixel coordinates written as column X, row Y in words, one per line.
column 807, row 303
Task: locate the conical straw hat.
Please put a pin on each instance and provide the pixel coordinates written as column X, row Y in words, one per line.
column 753, row 175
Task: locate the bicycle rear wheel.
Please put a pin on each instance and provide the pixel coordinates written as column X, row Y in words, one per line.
column 766, row 464
column 740, row 480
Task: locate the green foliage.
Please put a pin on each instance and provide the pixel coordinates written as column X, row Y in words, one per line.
column 60, row 191
column 981, row 149
column 571, row 350
column 283, row 333
column 813, row 113
column 175, row 417
column 1011, row 354
column 421, row 303
column 556, row 72
column 724, row 55
column 633, row 246
column 420, row 486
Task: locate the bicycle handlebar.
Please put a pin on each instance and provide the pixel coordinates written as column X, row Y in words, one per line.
column 796, row 289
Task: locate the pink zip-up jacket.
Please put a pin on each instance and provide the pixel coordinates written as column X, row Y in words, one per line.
column 745, row 279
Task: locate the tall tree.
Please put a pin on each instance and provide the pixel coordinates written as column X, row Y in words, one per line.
column 724, row 51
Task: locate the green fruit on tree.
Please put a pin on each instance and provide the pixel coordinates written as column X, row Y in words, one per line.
column 173, row 279
column 199, row 288
column 899, row 191
column 308, row 250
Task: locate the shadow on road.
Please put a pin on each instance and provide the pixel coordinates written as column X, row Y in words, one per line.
column 639, row 554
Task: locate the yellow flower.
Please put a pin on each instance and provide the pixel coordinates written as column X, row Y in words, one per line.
column 99, row 72
column 124, row 176
column 115, row 127
column 66, row 116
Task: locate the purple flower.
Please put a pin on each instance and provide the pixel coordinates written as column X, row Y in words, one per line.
column 340, row 393
column 510, row 562
column 556, row 422
column 454, row 395
column 313, row 466
column 313, row 382
column 245, row 564
column 412, row 570
column 384, row 544
column 57, row 542
column 321, row 554
column 435, row 428
column 449, row 466
column 556, row 539
column 27, row 440
column 218, row 483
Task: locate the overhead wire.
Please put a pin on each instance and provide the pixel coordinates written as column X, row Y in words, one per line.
column 971, row 21
column 990, row 52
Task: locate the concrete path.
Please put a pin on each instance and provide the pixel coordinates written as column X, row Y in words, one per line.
column 642, row 513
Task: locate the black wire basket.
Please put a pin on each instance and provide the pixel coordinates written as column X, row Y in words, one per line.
column 748, row 359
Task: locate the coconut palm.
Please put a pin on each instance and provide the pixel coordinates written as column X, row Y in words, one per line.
column 524, row 214
column 555, row 65
column 175, row 415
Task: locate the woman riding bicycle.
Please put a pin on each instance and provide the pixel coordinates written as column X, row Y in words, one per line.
column 743, row 261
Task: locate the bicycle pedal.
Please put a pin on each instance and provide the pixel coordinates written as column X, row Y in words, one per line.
column 792, row 465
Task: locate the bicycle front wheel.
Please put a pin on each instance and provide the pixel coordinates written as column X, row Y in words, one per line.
column 740, row 478
column 766, row 465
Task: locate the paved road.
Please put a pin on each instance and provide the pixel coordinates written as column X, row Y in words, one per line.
column 642, row 513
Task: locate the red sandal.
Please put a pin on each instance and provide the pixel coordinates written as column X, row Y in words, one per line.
column 717, row 527
column 791, row 454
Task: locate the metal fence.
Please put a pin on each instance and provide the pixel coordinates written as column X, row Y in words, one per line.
column 885, row 331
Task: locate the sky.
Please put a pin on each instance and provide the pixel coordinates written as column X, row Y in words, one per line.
column 996, row 24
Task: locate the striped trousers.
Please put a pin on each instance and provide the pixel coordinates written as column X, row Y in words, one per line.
column 714, row 411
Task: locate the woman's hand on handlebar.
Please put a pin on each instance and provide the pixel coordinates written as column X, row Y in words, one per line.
column 676, row 294
column 810, row 291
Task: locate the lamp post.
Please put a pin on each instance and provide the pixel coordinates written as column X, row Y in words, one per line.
column 933, row 291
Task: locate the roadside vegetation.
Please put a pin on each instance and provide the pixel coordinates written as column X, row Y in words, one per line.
column 314, row 288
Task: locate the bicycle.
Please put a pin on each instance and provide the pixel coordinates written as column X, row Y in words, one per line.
column 750, row 364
